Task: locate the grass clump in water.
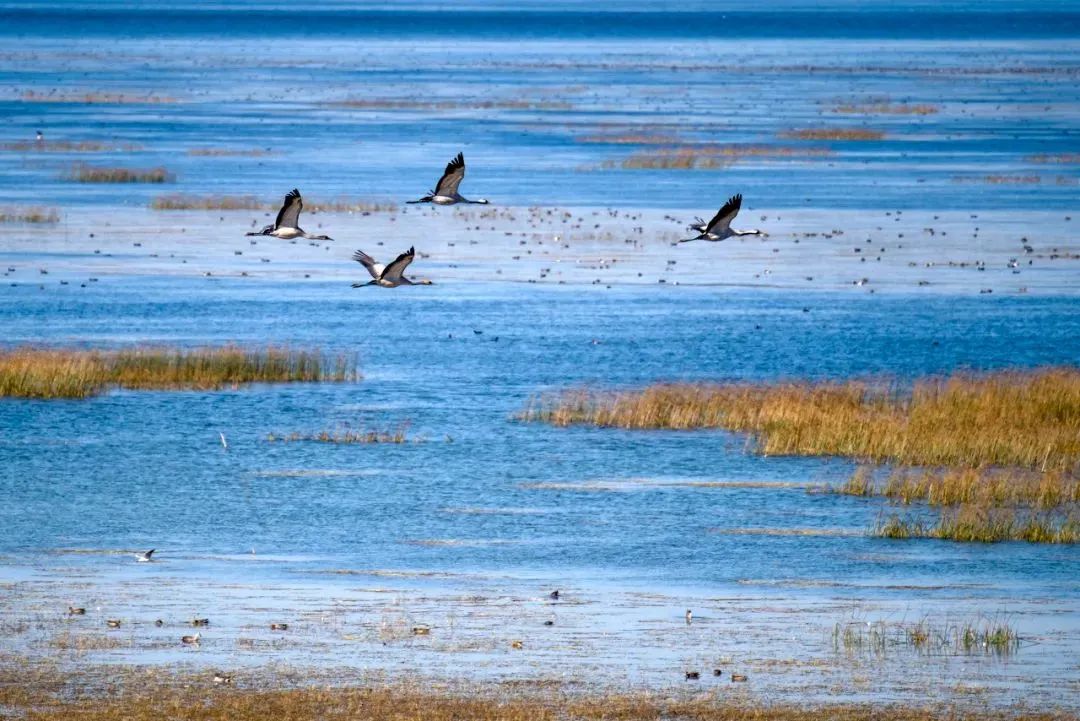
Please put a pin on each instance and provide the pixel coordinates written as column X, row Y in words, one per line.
column 99, row 174
column 45, row 373
column 1028, row 419
column 982, row 524
column 977, row 636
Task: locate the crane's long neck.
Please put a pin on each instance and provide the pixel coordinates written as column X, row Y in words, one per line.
column 747, row 232
column 479, row 201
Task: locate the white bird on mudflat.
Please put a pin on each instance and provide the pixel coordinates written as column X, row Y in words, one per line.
column 719, row 227
column 446, row 190
column 287, row 224
column 388, row 276
column 145, row 556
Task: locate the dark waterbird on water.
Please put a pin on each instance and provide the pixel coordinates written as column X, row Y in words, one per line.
column 446, row 190
column 287, row 224
column 388, row 276
column 719, row 227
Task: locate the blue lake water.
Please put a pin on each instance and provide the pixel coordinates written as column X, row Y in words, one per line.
column 369, row 101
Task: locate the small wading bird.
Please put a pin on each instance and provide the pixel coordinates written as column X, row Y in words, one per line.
column 146, row 556
column 388, row 276
column 719, row 227
column 191, row 640
column 446, row 190
column 287, row 224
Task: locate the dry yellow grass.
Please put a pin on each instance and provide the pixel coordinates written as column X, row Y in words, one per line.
column 99, row 174
column 198, row 700
column 982, row 486
column 1023, row 418
column 45, row 373
column 834, row 134
column 29, row 215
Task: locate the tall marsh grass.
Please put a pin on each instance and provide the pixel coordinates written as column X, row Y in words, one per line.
column 986, row 524
column 1024, row 418
column 982, row 486
column 47, row 373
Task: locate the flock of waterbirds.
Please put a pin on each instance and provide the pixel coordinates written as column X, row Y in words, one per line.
column 391, row 275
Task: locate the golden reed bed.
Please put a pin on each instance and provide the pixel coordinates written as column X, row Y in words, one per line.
column 48, row 373
column 1022, row 418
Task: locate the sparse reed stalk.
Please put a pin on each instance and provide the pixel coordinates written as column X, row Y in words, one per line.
column 46, row 373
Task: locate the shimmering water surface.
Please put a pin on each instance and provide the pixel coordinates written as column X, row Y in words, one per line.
column 470, row 525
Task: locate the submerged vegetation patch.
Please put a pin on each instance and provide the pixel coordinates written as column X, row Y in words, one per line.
column 82, row 173
column 68, row 146
column 29, row 215
column 834, row 134
column 65, row 373
column 1025, row 418
column 346, row 436
column 707, row 157
column 183, row 201
column 229, row 152
column 887, row 109
column 451, row 104
column 95, row 97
